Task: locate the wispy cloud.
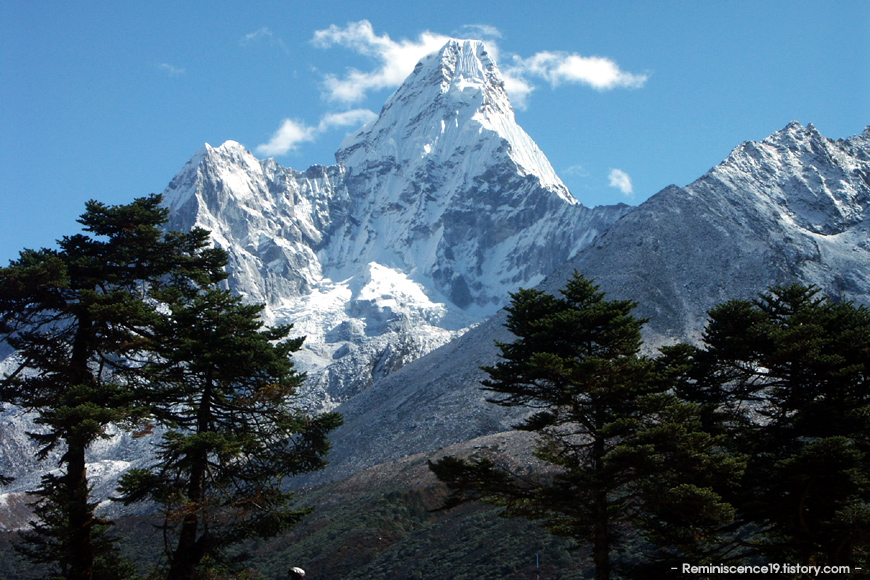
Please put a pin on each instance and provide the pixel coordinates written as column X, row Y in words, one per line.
column 578, row 170
column 353, row 118
column 250, row 37
column 518, row 89
column 264, row 34
column 481, row 31
column 621, row 181
column 396, row 59
column 170, row 70
column 293, row 133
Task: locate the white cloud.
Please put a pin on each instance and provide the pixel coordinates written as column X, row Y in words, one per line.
column 286, row 138
column 396, row 59
column 577, row 170
column 518, row 89
column 621, row 181
column 354, row 118
column 598, row 72
column 292, row 133
column 264, row 32
column 170, row 70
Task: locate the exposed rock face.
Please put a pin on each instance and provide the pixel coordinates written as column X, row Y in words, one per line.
column 441, row 207
column 792, row 208
column 435, row 212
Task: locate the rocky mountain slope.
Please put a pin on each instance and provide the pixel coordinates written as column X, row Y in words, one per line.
column 437, row 210
column 434, row 212
column 792, row 208
column 431, row 215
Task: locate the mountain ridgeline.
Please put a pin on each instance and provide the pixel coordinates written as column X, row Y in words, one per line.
column 443, row 205
column 792, row 208
column 434, row 213
column 394, row 263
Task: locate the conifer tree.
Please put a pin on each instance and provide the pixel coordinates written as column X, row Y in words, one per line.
column 226, row 392
column 787, row 378
column 79, row 317
column 623, row 449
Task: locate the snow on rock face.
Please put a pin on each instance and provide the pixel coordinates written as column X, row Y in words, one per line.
column 757, row 219
column 447, row 186
column 443, row 205
column 267, row 217
column 820, row 193
column 435, row 212
column 452, row 97
column 791, row 208
column 107, row 460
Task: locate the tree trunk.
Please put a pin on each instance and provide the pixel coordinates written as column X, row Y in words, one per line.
column 79, row 512
column 81, row 518
column 190, row 550
column 601, row 540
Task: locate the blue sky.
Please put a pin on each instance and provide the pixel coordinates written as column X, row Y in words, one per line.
column 107, row 100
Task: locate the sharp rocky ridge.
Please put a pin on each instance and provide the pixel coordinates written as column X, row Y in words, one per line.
column 432, row 214
column 791, row 208
column 794, row 207
column 438, row 209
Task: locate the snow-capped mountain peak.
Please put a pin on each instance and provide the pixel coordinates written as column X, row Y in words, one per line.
column 454, row 102
column 802, row 177
column 443, row 205
column 435, row 212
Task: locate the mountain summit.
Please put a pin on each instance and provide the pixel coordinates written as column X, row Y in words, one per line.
column 438, row 209
column 791, row 208
column 452, row 97
column 434, row 212
column 446, row 186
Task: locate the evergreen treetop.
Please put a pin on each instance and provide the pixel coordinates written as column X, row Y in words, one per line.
column 624, row 450
column 225, row 389
column 80, row 318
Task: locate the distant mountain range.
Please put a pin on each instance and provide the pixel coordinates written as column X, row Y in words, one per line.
column 395, row 262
